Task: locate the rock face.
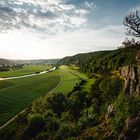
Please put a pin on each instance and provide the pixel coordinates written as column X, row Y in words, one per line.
column 138, row 57
column 131, row 129
column 131, row 76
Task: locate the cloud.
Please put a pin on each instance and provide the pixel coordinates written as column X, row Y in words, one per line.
column 52, row 29
column 48, row 16
column 61, row 44
column 90, row 5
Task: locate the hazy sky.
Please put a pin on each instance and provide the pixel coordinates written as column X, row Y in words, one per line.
column 32, row 29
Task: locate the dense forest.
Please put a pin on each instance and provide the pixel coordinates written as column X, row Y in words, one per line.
column 102, row 61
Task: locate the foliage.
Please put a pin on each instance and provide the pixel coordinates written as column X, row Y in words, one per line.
column 67, row 116
column 35, row 121
column 102, row 61
column 125, row 106
column 66, row 130
column 4, row 68
column 35, row 125
column 55, row 102
column 110, row 88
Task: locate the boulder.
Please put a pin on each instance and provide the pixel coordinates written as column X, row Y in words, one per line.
column 110, row 112
column 131, row 76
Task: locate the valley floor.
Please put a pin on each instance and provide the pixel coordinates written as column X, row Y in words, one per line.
column 18, row 94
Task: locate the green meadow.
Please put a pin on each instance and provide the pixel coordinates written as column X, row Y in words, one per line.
column 69, row 79
column 29, row 69
column 18, row 94
column 88, row 84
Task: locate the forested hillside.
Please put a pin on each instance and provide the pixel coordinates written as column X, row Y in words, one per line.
column 102, row 61
column 4, row 62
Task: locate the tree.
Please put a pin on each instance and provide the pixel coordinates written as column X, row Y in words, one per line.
column 132, row 22
column 57, row 102
column 35, row 125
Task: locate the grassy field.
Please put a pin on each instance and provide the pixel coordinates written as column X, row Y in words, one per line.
column 25, row 70
column 69, row 79
column 21, row 92
column 4, row 84
column 88, row 84
column 17, row 94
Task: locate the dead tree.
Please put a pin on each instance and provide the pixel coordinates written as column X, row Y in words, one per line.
column 132, row 22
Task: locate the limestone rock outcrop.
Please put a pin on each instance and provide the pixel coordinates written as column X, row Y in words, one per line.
column 110, row 111
column 131, row 79
column 138, row 57
column 131, row 76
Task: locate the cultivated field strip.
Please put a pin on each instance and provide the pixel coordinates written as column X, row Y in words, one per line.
column 24, row 71
column 18, row 97
column 69, row 79
column 15, row 98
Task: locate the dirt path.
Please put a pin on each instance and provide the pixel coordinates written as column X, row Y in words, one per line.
column 53, row 90
column 13, row 118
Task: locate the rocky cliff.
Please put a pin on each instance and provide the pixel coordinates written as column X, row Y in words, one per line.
column 131, row 76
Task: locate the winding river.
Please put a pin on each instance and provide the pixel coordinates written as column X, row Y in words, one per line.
column 28, row 75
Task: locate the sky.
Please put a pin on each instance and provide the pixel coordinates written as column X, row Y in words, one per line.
column 46, row 29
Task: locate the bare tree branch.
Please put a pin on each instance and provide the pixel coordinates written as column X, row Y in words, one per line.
column 132, row 22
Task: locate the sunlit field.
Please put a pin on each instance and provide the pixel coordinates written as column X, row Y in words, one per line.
column 30, row 69
column 17, row 94
column 69, row 79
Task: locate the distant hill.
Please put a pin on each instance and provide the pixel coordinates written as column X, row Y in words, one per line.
column 39, row 61
column 102, row 61
column 5, row 62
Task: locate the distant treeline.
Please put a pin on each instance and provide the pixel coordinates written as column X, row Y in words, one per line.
column 102, row 61
column 10, row 67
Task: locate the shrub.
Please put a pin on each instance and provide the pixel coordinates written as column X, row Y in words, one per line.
column 121, row 112
column 86, row 121
column 37, row 106
column 66, row 130
column 52, row 122
column 35, row 124
column 57, row 102
column 125, row 106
